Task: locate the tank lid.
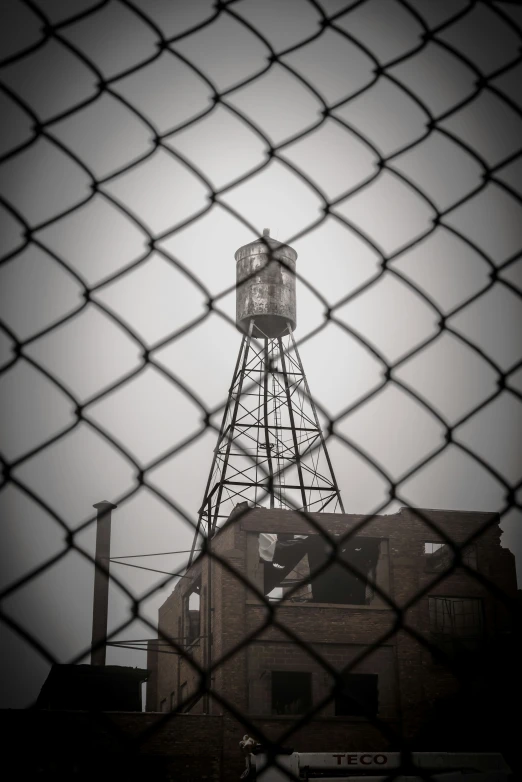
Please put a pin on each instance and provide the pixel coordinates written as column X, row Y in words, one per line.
column 265, row 240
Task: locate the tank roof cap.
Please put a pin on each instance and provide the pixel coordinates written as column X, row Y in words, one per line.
column 267, row 241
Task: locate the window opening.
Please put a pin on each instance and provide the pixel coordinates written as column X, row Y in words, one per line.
column 358, row 695
column 456, row 623
column 440, row 556
column 293, row 559
column 193, row 613
column 291, row 692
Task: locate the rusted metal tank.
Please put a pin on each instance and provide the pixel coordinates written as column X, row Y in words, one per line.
column 266, row 287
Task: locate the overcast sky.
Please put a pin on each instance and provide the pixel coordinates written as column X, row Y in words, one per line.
column 100, row 242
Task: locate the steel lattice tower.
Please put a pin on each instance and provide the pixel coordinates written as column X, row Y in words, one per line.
column 270, row 450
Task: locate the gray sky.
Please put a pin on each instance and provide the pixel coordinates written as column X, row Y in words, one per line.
column 150, row 415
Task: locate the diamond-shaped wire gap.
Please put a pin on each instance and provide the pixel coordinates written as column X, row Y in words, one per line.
column 47, row 290
column 141, row 526
column 488, row 126
column 490, row 433
column 453, row 480
column 513, row 274
column 445, row 267
column 333, row 65
column 226, row 50
column 105, row 135
column 18, row 130
column 339, row 369
column 87, row 353
column 438, row 78
column 272, row 193
column 220, row 145
column 75, row 472
column 161, row 191
column 440, row 168
column 362, row 488
column 391, row 316
column 24, row 394
column 52, row 64
column 333, row 158
column 449, row 376
column 393, row 429
column 283, row 24
column 492, row 219
column 176, row 18
column 58, row 183
column 96, row 240
column 493, row 323
column 148, row 415
column 333, row 258
column 29, row 537
column 204, row 358
column 388, row 211
column 94, row 35
column 11, row 233
column 483, row 38
column 206, row 247
column 20, row 29
column 65, row 632
column 386, row 115
column 265, row 102
column 386, row 28
column 155, row 298
column 182, row 479
column 167, row 92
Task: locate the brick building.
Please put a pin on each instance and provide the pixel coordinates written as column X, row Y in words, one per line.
column 388, row 681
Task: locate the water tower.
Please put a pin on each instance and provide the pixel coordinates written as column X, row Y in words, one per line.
column 270, row 450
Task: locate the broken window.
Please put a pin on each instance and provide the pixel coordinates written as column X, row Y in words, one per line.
column 289, row 560
column 456, row 623
column 291, row 692
column 358, row 695
column 440, row 556
column 193, row 613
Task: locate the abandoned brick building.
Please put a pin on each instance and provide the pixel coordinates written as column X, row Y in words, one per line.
column 342, row 618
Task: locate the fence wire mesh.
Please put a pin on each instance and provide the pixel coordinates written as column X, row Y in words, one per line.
column 487, row 81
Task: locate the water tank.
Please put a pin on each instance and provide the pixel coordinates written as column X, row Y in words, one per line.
column 266, row 287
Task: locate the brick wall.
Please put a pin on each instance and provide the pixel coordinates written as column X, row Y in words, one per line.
column 409, row 678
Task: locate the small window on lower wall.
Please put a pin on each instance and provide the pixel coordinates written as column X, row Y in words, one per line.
column 291, row 692
column 359, row 695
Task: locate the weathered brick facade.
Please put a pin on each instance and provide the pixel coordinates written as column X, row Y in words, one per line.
column 410, row 678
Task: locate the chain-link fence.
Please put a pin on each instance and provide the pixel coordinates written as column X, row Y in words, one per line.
column 492, row 61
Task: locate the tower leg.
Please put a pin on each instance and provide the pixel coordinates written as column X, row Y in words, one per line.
column 270, row 445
